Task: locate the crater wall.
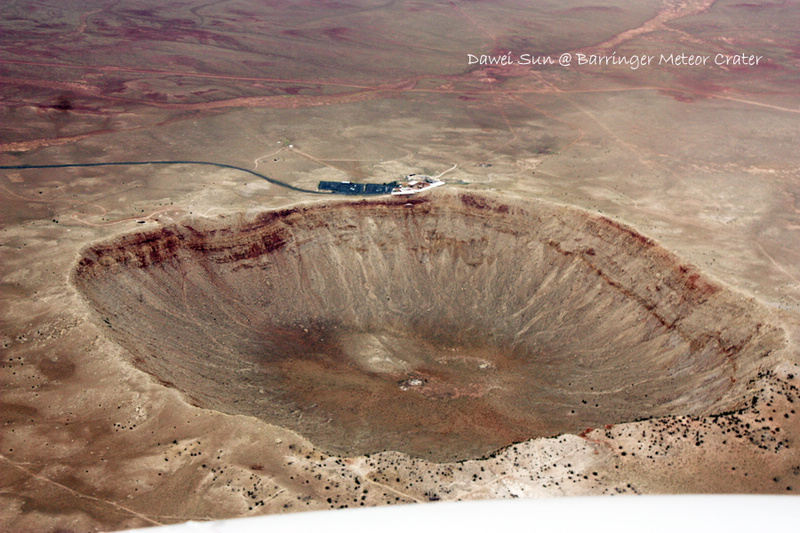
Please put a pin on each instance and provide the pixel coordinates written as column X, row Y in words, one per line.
column 445, row 326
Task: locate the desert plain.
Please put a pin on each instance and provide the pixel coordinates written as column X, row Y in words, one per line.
column 603, row 299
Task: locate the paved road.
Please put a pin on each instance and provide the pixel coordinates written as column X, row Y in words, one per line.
column 123, row 163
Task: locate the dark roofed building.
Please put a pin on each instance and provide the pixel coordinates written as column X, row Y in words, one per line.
column 346, row 187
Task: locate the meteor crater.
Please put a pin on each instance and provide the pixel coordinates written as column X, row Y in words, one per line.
column 444, row 326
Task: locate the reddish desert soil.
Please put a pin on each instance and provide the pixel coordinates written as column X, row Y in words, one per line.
column 187, row 343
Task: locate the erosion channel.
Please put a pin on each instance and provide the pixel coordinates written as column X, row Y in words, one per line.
column 445, row 326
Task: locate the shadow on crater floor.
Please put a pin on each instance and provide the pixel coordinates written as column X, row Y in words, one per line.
column 445, row 327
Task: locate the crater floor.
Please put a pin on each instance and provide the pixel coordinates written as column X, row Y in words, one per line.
column 445, row 327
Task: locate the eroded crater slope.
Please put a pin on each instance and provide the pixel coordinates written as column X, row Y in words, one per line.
column 446, row 326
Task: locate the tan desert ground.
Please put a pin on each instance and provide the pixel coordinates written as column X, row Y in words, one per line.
column 603, row 298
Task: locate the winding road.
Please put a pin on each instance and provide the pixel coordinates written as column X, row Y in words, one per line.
column 124, row 163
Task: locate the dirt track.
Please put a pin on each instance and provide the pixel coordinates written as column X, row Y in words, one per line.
column 702, row 161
